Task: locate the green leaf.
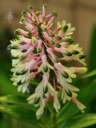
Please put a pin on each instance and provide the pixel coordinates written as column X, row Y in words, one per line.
column 3, row 124
column 15, row 99
column 18, row 112
column 21, row 113
column 90, row 74
column 92, row 53
column 6, row 85
column 80, row 121
column 19, row 102
column 86, row 95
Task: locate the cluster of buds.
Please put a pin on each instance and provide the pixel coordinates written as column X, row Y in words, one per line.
column 41, row 53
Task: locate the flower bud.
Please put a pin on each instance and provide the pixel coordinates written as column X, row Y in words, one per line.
column 45, row 89
column 65, row 28
column 36, row 100
column 81, row 56
column 54, row 14
column 65, row 74
column 68, row 54
column 75, row 52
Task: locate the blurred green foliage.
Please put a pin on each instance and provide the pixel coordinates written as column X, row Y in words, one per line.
column 92, row 50
column 5, row 63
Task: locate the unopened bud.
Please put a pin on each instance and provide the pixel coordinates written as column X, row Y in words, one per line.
column 65, row 28
column 81, row 56
column 69, row 93
column 54, row 14
column 23, row 12
column 30, row 8
column 36, row 100
column 65, row 74
column 75, row 52
column 45, row 89
column 68, row 54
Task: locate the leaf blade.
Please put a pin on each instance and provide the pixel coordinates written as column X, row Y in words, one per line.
column 80, row 121
column 21, row 113
column 92, row 50
column 90, row 74
column 15, row 99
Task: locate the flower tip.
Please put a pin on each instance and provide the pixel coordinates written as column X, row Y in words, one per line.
column 54, row 14
column 82, row 57
column 29, row 35
column 65, row 28
column 16, row 32
column 23, row 58
column 19, row 37
column 82, row 108
column 44, row 6
column 70, row 41
column 38, row 12
column 40, row 112
column 22, row 19
column 23, row 12
column 83, row 70
column 30, row 8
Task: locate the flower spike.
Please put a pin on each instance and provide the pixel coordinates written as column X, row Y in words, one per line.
column 39, row 53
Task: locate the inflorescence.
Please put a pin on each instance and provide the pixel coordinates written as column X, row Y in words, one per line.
column 41, row 53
